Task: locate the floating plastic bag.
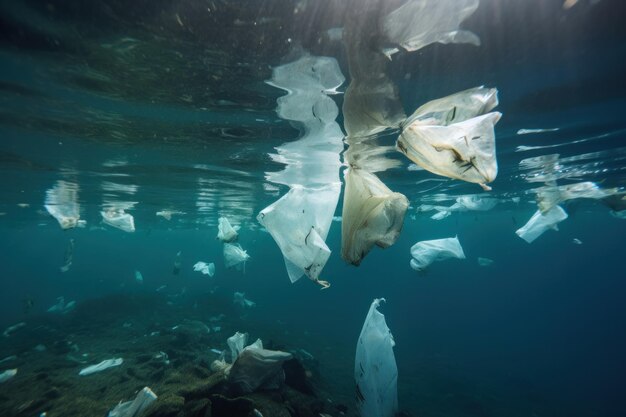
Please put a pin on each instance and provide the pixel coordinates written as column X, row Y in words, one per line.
column 428, row 251
column 226, row 232
column 119, row 219
column 540, row 222
column 372, row 215
column 419, row 23
column 61, row 306
column 134, row 408
column 464, row 150
column 234, row 255
column 138, row 277
column 206, row 269
column 375, row 369
column 105, row 364
column 299, row 223
column 62, row 204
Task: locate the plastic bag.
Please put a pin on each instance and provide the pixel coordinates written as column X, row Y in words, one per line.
column 134, row 408
column 226, row 232
column 299, row 223
column 204, row 268
column 375, row 369
column 119, row 219
column 6, row 375
column 105, row 364
column 235, row 255
column 239, row 298
column 236, row 343
column 257, row 368
column 540, row 222
column 428, row 251
column 372, row 215
column 419, row 23
column 62, row 204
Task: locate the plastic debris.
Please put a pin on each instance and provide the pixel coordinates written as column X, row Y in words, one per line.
column 577, row 241
column 6, row 375
column 119, row 219
column 484, row 261
column 419, row 23
column 299, row 223
column 62, row 204
column 465, row 150
column 372, row 215
column 167, row 214
column 61, row 306
column 239, row 298
column 226, row 232
column 12, row 329
column 375, row 369
column 138, row 277
column 8, row 359
column 134, row 408
column 204, row 268
column 235, row 255
column 540, row 222
column 428, row 251
column 531, row 131
column 105, row 364
column 69, row 256
column 257, row 368
column 236, row 343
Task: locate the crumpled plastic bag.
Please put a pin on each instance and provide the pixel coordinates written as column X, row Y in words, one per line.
column 99, row 367
column 540, row 222
column 372, row 215
column 119, row 219
column 236, row 343
column 134, row 408
column 428, row 251
column 257, row 368
column 226, row 232
column 419, row 23
column 8, row 374
column 235, row 255
column 552, row 195
column 299, row 223
column 465, row 150
column 205, row 268
column 375, row 369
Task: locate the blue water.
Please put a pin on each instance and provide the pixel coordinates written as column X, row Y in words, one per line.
column 181, row 118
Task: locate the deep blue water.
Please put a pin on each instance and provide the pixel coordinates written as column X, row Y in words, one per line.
column 538, row 333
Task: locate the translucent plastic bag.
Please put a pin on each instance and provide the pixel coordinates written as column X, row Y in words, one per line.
column 428, row 251
column 205, row 268
column 551, row 195
column 236, row 343
column 235, row 255
column 540, row 222
column 239, row 298
column 62, row 204
column 226, row 232
column 119, row 219
column 464, row 150
column 372, row 215
column 419, row 23
column 375, row 369
column 136, row 407
column 299, row 223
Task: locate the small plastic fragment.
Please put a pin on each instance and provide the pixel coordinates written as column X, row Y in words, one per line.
column 99, row 367
column 8, row 374
column 61, row 307
column 484, row 261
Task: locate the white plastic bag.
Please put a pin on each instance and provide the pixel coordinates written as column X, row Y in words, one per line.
column 99, row 367
column 236, row 343
column 372, row 215
column 119, row 219
column 134, row 408
column 299, row 223
column 204, row 268
column 428, row 251
column 465, row 150
column 235, row 255
column 62, row 204
column 551, row 195
column 226, row 232
column 540, row 222
column 419, row 23
column 375, row 369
